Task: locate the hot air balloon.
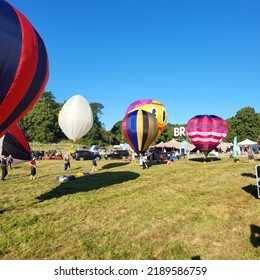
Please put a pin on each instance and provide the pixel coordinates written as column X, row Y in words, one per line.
column 14, row 143
column 153, row 106
column 140, row 129
column 24, row 66
column 76, row 117
column 206, row 132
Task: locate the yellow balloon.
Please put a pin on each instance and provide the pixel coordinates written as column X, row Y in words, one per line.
column 153, row 106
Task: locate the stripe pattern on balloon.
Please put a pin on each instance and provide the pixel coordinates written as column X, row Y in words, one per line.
column 140, row 128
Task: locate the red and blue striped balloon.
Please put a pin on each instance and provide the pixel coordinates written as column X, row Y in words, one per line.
column 206, row 132
column 24, row 67
column 140, row 128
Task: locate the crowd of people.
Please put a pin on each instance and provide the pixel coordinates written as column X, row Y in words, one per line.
column 153, row 156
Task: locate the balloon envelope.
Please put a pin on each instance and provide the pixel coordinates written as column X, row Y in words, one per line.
column 15, row 143
column 24, row 66
column 76, row 118
column 153, row 106
column 206, row 132
column 140, row 129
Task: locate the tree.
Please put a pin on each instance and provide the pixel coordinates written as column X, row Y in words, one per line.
column 246, row 124
column 116, row 134
column 97, row 134
column 41, row 122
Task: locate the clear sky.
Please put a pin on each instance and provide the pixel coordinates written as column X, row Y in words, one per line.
column 194, row 56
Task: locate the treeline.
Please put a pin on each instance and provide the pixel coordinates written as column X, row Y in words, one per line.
column 41, row 125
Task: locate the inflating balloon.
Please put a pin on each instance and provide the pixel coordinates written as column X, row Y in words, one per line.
column 140, row 128
column 76, row 117
column 152, row 106
column 23, row 66
column 206, row 132
column 14, row 143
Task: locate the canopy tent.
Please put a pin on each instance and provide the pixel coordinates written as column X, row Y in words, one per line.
column 160, row 145
column 224, row 146
column 246, row 142
column 175, row 144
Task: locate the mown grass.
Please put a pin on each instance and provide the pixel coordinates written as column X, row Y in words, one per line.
column 188, row 209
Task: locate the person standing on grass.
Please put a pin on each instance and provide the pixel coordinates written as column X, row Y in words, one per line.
column 250, row 155
column 66, row 162
column 94, row 164
column 10, row 161
column 33, row 168
column 141, row 162
column 145, row 162
column 133, row 157
column 4, row 168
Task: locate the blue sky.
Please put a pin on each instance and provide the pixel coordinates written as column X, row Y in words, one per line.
column 194, row 56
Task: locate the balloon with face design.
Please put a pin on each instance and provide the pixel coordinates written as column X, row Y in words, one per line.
column 153, row 106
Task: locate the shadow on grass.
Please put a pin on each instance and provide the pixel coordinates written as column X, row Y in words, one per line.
column 114, row 164
column 88, row 183
column 196, row 257
column 205, row 160
column 252, row 190
column 255, row 235
column 2, row 211
column 251, row 175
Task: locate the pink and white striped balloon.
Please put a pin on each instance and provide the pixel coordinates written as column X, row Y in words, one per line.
column 206, row 132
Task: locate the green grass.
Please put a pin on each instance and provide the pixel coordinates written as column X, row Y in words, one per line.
column 188, row 209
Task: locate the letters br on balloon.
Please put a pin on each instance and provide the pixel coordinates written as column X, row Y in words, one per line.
column 24, row 68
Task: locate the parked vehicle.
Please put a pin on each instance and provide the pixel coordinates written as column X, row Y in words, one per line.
column 159, row 155
column 54, row 154
column 117, row 154
column 85, row 155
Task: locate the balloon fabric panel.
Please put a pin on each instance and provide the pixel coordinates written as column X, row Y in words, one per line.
column 26, row 66
column 150, row 130
column 18, row 133
column 10, row 49
column 15, row 143
column 129, row 129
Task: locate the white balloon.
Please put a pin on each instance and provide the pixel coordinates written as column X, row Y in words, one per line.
column 76, row 117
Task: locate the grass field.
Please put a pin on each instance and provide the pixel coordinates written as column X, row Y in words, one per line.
column 192, row 209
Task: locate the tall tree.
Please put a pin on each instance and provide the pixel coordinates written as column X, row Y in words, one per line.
column 41, row 123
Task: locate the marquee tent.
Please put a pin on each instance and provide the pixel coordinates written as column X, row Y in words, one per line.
column 160, row 145
column 247, row 142
column 224, row 146
column 175, row 144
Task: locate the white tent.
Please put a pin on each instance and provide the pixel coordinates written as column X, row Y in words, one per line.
column 247, row 142
column 224, row 146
